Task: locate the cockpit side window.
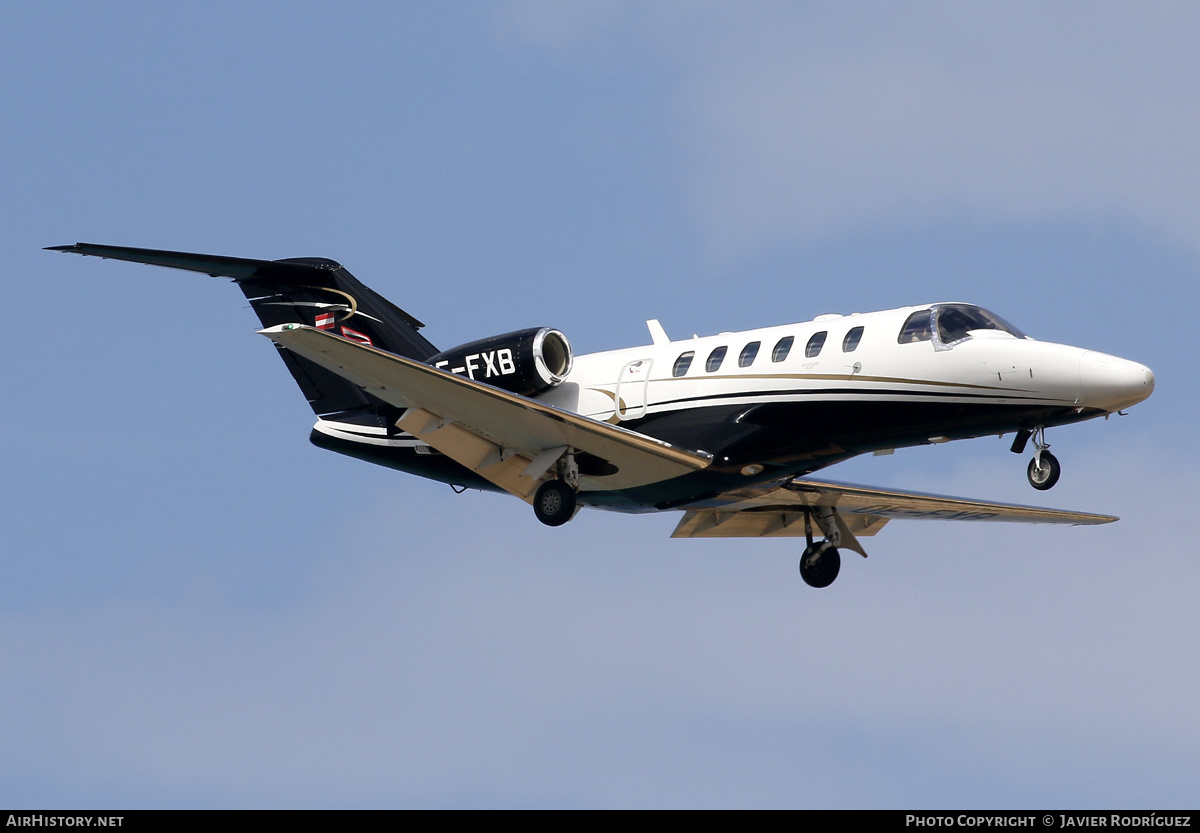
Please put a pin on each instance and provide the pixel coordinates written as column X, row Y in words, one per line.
column 683, row 363
column 850, row 342
column 749, row 352
column 813, row 348
column 782, row 348
column 715, row 358
column 916, row 328
column 955, row 322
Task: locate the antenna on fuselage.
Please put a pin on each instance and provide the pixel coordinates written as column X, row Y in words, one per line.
column 657, row 334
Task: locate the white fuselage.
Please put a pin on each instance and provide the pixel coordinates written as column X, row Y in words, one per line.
column 988, row 366
column 789, row 400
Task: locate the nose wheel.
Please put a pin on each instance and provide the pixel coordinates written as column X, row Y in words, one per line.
column 1043, row 471
column 1044, row 468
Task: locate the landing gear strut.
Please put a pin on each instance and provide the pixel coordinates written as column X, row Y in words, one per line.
column 820, row 563
column 1044, row 468
column 554, row 502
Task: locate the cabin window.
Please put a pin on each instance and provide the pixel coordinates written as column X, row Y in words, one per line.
column 749, row 353
column 852, row 339
column 715, row 358
column 813, row 348
column 916, row 328
column 682, row 364
column 782, row 348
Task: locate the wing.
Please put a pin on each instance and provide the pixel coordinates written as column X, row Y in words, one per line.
column 779, row 510
column 508, row 439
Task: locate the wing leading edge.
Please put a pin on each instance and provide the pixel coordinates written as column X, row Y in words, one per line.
column 508, row 439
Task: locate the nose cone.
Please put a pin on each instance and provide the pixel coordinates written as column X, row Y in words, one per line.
column 1111, row 383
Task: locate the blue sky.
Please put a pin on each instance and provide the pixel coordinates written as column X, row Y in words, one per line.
column 199, row 609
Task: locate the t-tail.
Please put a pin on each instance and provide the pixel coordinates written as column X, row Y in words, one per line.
column 307, row 290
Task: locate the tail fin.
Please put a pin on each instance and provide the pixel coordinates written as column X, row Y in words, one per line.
column 314, row 291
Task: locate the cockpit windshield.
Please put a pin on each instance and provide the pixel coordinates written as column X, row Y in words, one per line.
column 954, row 322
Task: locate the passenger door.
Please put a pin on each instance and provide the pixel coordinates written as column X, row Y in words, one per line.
column 632, row 385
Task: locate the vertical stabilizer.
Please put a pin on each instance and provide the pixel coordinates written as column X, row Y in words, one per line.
column 314, row 291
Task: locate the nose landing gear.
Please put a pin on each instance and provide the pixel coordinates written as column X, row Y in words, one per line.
column 1044, row 468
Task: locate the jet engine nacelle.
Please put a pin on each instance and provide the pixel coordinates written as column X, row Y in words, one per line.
column 525, row 362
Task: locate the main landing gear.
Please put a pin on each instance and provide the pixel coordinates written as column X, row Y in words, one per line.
column 820, row 563
column 820, row 567
column 1044, row 469
column 555, row 503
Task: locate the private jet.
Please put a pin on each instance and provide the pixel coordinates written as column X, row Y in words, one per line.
column 725, row 429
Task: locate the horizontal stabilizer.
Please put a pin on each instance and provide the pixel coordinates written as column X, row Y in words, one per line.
column 217, row 266
column 306, row 290
column 297, row 271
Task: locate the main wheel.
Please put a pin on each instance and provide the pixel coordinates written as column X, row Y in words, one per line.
column 1046, row 475
column 554, row 503
column 819, row 571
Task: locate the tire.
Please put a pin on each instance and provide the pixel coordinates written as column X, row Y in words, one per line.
column 554, row 503
column 824, row 571
column 1045, row 476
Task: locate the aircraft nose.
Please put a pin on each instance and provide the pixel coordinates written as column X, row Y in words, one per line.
column 1112, row 383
